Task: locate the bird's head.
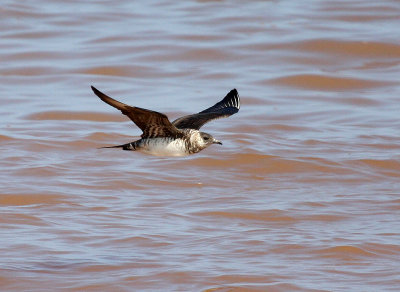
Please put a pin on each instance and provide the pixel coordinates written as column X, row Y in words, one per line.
column 208, row 139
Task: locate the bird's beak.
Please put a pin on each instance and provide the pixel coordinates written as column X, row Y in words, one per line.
column 217, row 142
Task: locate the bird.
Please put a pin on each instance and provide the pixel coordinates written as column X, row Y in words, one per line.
column 181, row 137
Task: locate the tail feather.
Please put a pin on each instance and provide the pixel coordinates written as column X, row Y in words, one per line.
column 127, row 146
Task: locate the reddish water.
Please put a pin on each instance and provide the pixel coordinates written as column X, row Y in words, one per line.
column 302, row 196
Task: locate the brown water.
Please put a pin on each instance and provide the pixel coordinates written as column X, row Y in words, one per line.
column 304, row 195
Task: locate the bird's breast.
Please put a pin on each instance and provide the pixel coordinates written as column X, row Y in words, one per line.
column 164, row 147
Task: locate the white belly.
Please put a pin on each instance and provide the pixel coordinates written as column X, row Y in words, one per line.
column 163, row 147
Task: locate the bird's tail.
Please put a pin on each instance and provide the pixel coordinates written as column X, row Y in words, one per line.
column 128, row 146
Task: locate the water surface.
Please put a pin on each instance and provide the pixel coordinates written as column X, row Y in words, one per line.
column 302, row 196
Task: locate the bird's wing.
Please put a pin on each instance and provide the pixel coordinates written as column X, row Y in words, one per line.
column 153, row 124
column 225, row 108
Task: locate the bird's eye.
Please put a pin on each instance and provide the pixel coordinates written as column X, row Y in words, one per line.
column 206, row 138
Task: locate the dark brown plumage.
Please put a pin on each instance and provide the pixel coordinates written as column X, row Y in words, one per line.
column 179, row 138
column 153, row 124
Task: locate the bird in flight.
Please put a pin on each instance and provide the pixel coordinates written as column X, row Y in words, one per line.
column 181, row 137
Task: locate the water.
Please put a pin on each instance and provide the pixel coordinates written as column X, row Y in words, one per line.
column 302, row 196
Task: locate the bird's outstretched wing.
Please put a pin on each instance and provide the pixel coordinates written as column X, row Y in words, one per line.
column 225, row 108
column 153, row 124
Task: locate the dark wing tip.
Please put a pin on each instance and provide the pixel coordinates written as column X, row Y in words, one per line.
column 94, row 89
column 233, row 98
column 98, row 92
column 115, row 103
column 230, row 103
